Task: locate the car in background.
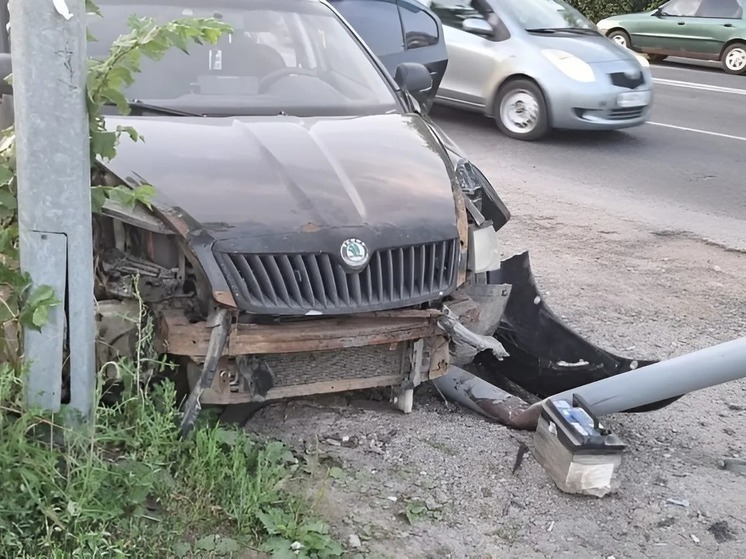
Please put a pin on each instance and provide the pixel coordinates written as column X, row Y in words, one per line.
column 399, row 31
column 542, row 66
column 700, row 29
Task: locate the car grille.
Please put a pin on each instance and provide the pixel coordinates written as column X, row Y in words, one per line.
column 289, row 283
column 624, row 114
column 620, row 79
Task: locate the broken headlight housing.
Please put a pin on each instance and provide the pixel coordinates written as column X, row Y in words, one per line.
column 469, row 179
column 480, row 192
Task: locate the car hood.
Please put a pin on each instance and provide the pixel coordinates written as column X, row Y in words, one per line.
column 593, row 49
column 268, row 184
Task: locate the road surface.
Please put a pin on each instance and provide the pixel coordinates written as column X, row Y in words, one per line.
column 683, row 171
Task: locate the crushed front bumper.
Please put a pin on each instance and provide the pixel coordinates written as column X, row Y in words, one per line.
column 264, row 362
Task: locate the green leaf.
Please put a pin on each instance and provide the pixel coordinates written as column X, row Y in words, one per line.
column 226, row 545
column 145, row 194
column 35, row 310
column 6, row 174
column 182, row 549
column 8, row 199
column 336, row 473
column 103, row 144
column 42, row 294
column 92, row 8
column 129, row 131
column 207, row 543
column 40, row 316
column 268, row 523
column 98, row 199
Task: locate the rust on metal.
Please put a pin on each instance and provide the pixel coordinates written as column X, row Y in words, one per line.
column 462, row 224
column 184, row 338
column 224, row 298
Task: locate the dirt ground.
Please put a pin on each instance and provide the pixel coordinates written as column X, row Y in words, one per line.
column 632, row 289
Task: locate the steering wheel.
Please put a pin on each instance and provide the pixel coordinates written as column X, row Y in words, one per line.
column 272, row 77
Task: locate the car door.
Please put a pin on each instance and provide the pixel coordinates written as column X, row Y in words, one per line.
column 714, row 25
column 423, row 40
column 665, row 30
column 399, row 31
column 472, row 57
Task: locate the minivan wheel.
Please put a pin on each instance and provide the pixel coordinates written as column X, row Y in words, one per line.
column 734, row 59
column 620, row 37
column 521, row 111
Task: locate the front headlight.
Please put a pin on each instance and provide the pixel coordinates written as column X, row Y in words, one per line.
column 570, row 65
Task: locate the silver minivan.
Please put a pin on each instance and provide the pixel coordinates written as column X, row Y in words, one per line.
column 534, row 65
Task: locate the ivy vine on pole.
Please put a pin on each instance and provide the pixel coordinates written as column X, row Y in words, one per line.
column 22, row 306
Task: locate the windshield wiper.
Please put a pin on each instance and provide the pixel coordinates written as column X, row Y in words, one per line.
column 139, row 105
column 552, row 30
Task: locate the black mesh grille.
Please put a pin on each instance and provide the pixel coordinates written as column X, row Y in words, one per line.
column 288, row 283
column 624, row 114
column 620, row 79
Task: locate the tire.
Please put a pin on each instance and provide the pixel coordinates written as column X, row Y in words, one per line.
column 734, row 59
column 620, row 37
column 520, row 110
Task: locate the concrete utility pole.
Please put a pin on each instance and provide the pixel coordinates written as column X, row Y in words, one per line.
column 48, row 40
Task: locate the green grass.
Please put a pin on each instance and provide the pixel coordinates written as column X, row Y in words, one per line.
column 129, row 486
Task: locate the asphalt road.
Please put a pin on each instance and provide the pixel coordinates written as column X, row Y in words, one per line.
column 684, row 170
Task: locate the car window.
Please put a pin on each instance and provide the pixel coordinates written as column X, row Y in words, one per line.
column 295, row 58
column 721, row 9
column 681, row 8
column 545, row 14
column 420, row 29
column 452, row 13
column 376, row 22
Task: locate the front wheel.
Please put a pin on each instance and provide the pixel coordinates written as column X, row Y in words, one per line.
column 620, row 37
column 521, row 111
column 734, row 59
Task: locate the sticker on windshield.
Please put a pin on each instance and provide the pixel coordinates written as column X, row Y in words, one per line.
column 216, row 59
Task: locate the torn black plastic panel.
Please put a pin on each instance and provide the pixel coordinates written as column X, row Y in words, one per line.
column 546, row 357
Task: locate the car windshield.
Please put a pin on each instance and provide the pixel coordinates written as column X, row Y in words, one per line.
column 546, row 14
column 283, row 57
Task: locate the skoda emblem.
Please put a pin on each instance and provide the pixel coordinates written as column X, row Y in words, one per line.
column 354, row 253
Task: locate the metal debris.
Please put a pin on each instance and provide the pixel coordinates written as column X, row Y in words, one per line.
column 678, row 502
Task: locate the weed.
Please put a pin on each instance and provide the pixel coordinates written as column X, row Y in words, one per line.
column 131, row 487
column 416, row 511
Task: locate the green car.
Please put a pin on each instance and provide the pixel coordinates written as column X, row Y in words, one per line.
column 703, row 29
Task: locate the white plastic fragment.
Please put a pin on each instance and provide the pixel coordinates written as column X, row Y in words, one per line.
column 62, row 9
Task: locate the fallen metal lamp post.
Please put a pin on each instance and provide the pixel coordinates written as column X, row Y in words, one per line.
column 666, row 379
column 624, row 392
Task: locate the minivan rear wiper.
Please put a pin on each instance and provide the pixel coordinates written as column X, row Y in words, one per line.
column 552, row 30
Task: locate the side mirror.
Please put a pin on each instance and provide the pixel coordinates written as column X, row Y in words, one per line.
column 477, row 26
column 658, row 12
column 415, row 79
column 6, row 68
